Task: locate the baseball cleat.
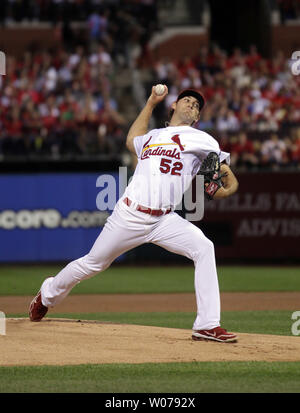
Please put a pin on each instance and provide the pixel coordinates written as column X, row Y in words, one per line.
column 215, row 334
column 37, row 310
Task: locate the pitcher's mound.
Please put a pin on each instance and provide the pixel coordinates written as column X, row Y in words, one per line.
column 64, row 341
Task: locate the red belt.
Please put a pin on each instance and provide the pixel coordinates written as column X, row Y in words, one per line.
column 141, row 208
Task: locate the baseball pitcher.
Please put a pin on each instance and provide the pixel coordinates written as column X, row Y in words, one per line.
column 168, row 160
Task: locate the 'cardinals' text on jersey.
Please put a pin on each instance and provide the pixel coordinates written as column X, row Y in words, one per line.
column 168, row 160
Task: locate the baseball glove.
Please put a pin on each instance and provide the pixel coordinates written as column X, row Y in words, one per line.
column 210, row 169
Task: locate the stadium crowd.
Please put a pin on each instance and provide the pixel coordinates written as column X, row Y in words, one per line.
column 252, row 103
column 64, row 104
column 59, row 105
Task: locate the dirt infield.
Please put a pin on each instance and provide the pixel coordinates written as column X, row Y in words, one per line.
column 64, row 341
column 70, row 342
column 157, row 302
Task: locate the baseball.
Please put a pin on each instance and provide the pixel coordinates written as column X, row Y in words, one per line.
column 159, row 89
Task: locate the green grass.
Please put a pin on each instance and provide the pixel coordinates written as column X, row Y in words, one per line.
column 260, row 322
column 196, row 377
column 25, row 280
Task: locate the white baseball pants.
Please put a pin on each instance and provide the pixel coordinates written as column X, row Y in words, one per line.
column 127, row 228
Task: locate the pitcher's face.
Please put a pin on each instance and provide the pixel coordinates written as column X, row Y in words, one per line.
column 187, row 109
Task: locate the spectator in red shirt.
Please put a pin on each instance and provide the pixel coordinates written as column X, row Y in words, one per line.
column 252, row 58
column 243, row 152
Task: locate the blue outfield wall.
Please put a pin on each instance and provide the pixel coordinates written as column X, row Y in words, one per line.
column 58, row 216
column 51, row 217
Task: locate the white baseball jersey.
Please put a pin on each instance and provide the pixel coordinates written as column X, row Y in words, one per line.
column 168, row 160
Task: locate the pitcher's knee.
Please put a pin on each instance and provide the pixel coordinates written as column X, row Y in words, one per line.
column 205, row 247
column 92, row 267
